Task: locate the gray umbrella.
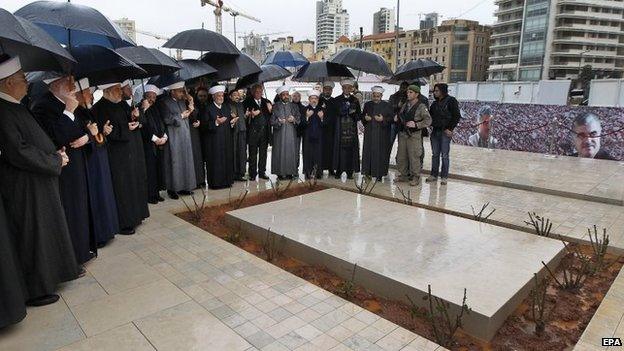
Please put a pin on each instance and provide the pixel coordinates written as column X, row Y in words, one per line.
column 229, row 66
column 269, row 73
column 202, row 40
column 322, row 71
column 362, row 60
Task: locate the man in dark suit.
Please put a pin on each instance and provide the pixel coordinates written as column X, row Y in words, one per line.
column 258, row 131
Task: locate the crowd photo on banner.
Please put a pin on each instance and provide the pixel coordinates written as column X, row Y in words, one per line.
column 96, row 132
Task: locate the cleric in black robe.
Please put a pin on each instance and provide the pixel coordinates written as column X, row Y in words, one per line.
column 347, row 113
column 377, row 118
column 326, row 101
column 296, row 99
column 311, row 124
column 258, row 131
column 136, row 115
column 102, row 204
column 120, row 155
column 239, row 134
column 154, row 139
column 218, row 127
column 55, row 113
column 12, row 303
column 196, row 143
column 29, row 169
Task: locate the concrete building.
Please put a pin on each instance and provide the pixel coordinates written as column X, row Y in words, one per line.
column 304, row 47
column 128, row 26
column 255, row 46
column 430, row 21
column 280, row 44
column 332, row 22
column 384, row 21
column 460, row 45
column 552, row 39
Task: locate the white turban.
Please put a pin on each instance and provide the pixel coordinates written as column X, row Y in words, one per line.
column 377, row 89
column 9, row 67
column 314, row 93
column 216, row 89
column 152, row 88
column 51, row 80
column 282, row 89
column 126, row 83
column 106, row 86
column 329, row 84
column 347, row 82
column 174, row 86
column 81, row 84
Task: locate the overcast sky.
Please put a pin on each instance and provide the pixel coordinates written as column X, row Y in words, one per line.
column 296, row 17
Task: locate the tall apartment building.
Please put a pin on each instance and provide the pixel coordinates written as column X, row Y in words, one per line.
column 460, row 45
column 128, row 26
column 553, row 39
column 255, row 46
column 332, row 22
column 384, row 21
column 430, row 21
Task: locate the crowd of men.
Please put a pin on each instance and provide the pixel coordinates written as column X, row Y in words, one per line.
column 74, row 173
column 583, row 131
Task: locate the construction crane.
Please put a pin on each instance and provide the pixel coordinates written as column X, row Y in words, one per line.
column 251, row 33
column 160, row 37
column 218, row 5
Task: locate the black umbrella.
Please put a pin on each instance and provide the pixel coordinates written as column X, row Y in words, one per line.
column 229, row 66
column 362, row 60
column 191, row 69
column 73, row 24
column 103, row 65
column 37, row 50
column 419, row 68
column 322, row 71
column 202, row 40
column 151, row 60
column 269, row 73
column 418, row 81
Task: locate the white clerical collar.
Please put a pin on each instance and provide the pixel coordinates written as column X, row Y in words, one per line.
column 346, row 96
column 313, row 106
column 8, row 98
column 218, row 106
column 258, row 101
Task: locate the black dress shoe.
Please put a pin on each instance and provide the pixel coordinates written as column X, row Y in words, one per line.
column 239, row 179
column 153, row 201
column 264, row 176
column 81, row 272
column 127, row 231
column 173, row 195
column 349, row 175
column 185, row 192
column 160, row 198
column 337, row 176
column 43, row 300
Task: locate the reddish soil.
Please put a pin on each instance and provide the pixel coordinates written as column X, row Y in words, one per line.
column 568, row 312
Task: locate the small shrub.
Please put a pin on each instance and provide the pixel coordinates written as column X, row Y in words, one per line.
column 407, row 197
column 347, row 288
column 541, row 225
column 574, row 270
column 197, row 211
column 479, row 216
column 271, row 246
column 538, row 304
column 599, row 248
column 236, row 204
column 278, row 190
column 366, row 184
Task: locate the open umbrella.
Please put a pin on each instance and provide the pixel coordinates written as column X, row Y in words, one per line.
column 229, row 66
column 417, row 81
column 191, row 69
column 202, row 40
column 72, row 24
column 269, row 73
column 322, row 71
column 419, row 68
column 103, row 65
column 285, row 59
column 362, row 60
column 37, row 50
column 151, row 60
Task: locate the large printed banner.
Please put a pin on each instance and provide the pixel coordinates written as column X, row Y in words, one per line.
column 584, row 131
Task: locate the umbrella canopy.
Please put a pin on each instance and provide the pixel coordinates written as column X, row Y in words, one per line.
column 285, row 59
column 322, row 71
column 151, row 60
column 37, row 50
column 229, row 66
column 362, row 60
column 269, row 73
column 419, row 68
column 417, row 81
column 103, row 65
column 191, row 69
column 202, row 40
column 72, row 24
